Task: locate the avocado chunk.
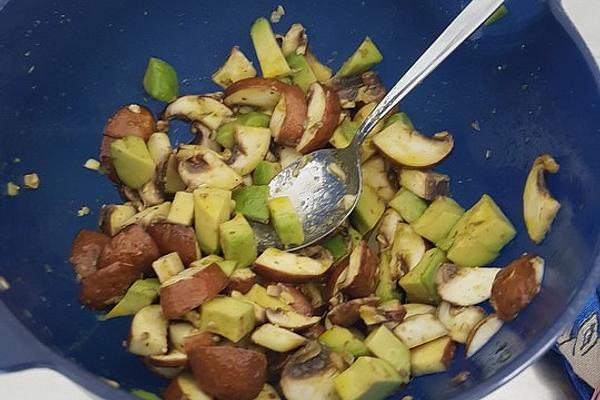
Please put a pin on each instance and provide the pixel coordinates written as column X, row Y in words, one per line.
column 167, row 266
column 236, row 67
column 369, row 209
column 251, row 201
column 182, row 209
column 438, row 219
column 341, row 340
column 258, row 295
column 132, row 161
column 385, row 345
column 115, row 216
column 172, row 180
column 286, row 221
column 265, row 171
column 159, row 147
column 364, row 58
column 227, row 266
column 228, row 317
column 270, row 57
column 302, row 75
column 419, row 283
column 212, row 206
column 399, row 117
column 343, row 134
column 369, row 378
column 336, row 246
column 467, row 251
column 321, row 71
column 409, row 205
column 426, row 184
column 225, row 134
column 238, row 241
column 160, row 80
column 142, row 293
column 387, row 288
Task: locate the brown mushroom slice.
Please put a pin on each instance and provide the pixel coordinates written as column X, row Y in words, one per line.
column 426, row 184
column 348, row 313
column 465, row 286
column 172, row 359
column 108, row 285
column 184, row 387
column 432, row 357
column 287, row 155
column 371, row 90
column 420, row 329
column 386, row 229
column 85, row 251
column 148, row 333
column 539, row 207
column 152, row 193
column 236, row 67
column 229, row 373
column 150, row 215
column 359, row 279
column 268, row 392
column 376, row 174
column 459, row 320
column 131, row 120
column 322, row 117
column 391, row 311
column 294, row 297
column 133, row 245
column 289, row 115
column 204, row 109
column 417, row 309
column 290, row 319
column 178, row 332
column 278, row 265
column 262, row 93
column 407, row 251
column 277, row 338
column 114, row 216
column 175, row 238
column 200, row 166
column 407, row 147
column 294, row 41
column 260, row 313
column 309, row 374
column 241, row 280
column 482, row 333
column 516, row 285
column 252, row 145
column 106, row 161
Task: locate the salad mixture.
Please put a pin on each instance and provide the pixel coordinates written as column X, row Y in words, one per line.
column 384, row 299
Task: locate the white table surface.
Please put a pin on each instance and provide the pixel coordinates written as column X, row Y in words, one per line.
column 44, row 384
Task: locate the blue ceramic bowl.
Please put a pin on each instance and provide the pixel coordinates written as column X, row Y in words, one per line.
column 65, row 66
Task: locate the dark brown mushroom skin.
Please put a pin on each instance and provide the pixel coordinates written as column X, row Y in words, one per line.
column 348, row 313
column 108, row 285
column 131, row 246
column 131, row 120
column 514, row 287
column 86, row 250
column 175, row 238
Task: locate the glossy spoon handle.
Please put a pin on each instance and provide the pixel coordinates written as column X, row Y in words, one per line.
column 460, row 29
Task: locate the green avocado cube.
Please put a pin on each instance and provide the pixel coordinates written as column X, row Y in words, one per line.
column 409, row 205
column 387, row 289
column 182, row 209
column 132, row 161
column 343, row 134
column 265, row 171
column 286, row 221
column 364, row 58
column 238, row 241
column 252, row 202
column 225, row 134
column 172, row 179
column 302, row 75
column 385, row 345
column 467, row 251
column 341, row 340
column 336, row 246
column 142, row 293
column 270, row 57
column 438, row 219
column 160, row 80
column 258, row 295
column 212, row 206
column 419, row 283
column 369, row 378
column 228, row 317
column 369, row 209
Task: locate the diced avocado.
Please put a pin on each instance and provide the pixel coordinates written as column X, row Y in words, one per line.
column 496, row 16
column 209, row 259
column 438, row 219
column 225, row 134
column 341, row 340
column 355, row 236
column 343, row 134
column 364, row 58
column 387, row 289
column 302, row 75
column 286, row 221
column 132, row 161
column 115, row 216
column 182, row 209
column 369, row 209
column 142, row 293
column 321, row 71
column 236, row 67
column 265, row 171
column 142, row 394
column 173, row 182
column 212, row 206
column 258, row 294
column 228, row 317
column 369, row 378
column 409, row 205
column 227, row 266
column 167, row 266
column 336, row 246
column 238, row 241
column 160, row 80
column 467, row 251
column 399, row 117
column 270, row 57
column 419, row 283
column 385, row 345
column 252, row 202
column 459, row 227
column 159, row 147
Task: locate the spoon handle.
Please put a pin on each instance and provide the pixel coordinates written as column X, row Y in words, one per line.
column 471, row 17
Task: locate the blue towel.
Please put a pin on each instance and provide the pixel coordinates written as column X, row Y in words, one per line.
column 580, row 347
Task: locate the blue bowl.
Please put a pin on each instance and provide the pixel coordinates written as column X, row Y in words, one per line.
column 528, row 81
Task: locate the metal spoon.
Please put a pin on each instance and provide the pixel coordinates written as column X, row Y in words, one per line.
column 324, row 185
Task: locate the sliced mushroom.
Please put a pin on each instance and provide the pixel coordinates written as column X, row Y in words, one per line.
column 287, row 120
column 178, row 332
column 132, row 246
column 295, row 40
column 309, row 374
column 171, row 359
column 294, row 297
column 391, row 311
column 205, row 137
column 252, row 145
column 175, row 238
column 276, row 338
column 152, row 192
column 432, row 357
column 465, row 286
column 262, row 93
column 419, row 329
column 291, row 319
column 348, row 313
column 407, row 251
column 376, row 174
column 354, row 90
column 86, row 250
column 482, row 333
column 539, row 207
column 114, row 216
column 268, row 392
column 426, row 184
column 131, row 120
column 459, row 320
column 516, row 285
column 149, row 215
column 359, row 279
column 205, row 109
column 279, row 265
column 107, row 285
column 236, row 67
column 386, row 231
column 203, row 167
column 148, row 335
column 184, row 387
column 287, row 155
column 241, row 280
column 159, row 147
column 322, row 117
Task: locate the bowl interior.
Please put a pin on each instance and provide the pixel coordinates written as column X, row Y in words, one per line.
column 65, row 67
